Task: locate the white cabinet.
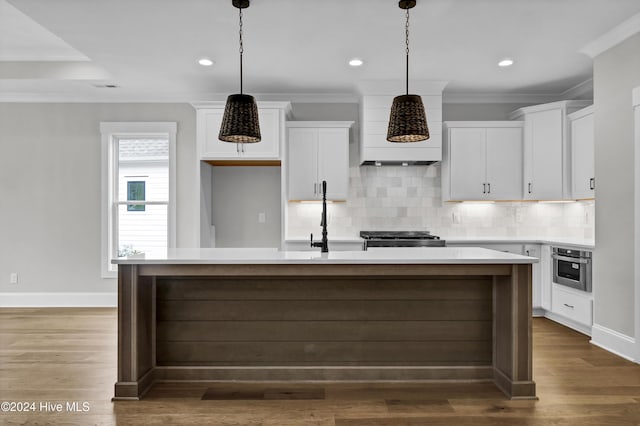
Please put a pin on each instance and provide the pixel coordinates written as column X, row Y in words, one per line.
column 575, row 306
column 318, row 151
column 272, row 116
column 534, row 250
column 546, row 277
column 483, row 161
column 546, row 152
column 582, row 154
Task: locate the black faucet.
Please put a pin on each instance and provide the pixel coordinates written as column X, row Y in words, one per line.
column 324, row 244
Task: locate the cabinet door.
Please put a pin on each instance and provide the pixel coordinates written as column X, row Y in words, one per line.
column 467, row 163
column 333, row 162
column 269, row 146
column 533, row 250
column 504, row 163
column 546, row 277
column 544, row 143
column 209, row 121
column 582, row 157
column 303, row 164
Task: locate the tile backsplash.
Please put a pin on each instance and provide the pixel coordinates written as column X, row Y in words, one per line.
column 409, row 198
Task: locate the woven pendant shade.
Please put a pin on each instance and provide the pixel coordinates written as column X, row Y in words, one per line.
column 240, row 120
column 408, row 120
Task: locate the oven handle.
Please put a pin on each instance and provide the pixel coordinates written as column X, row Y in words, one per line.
column 571, row 259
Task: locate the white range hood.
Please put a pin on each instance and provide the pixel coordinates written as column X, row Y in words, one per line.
column 375, row 106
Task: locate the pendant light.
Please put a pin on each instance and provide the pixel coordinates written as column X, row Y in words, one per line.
column 407, row 121
column 240, row 120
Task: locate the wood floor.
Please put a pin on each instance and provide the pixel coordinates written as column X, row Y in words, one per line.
column 49, row 356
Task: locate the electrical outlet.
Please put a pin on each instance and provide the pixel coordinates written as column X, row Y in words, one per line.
column 262, row 217
column 517, row 215
column 455, row 217
column 13, row 278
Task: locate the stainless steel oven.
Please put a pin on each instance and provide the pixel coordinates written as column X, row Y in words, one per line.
column 572, row 268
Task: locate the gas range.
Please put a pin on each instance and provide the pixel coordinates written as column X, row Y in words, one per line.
column 400, row 239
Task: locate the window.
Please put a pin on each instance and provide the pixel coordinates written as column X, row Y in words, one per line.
column 135, row 192
column 138, row 185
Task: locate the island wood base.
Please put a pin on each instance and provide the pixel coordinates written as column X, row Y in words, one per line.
column 336, row 322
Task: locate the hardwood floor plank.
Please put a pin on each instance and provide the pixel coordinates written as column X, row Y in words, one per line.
column 69, row 354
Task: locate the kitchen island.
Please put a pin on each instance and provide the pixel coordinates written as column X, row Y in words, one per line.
column 399, row 314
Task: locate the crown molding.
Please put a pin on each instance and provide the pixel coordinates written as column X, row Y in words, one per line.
column 613, row 37
column 426, row 87
column 111, row 96
column 581, row 90
column 497, row 98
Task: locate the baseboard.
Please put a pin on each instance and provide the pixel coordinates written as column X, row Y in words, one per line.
column 613, row 341
column 581, row 328
column 50, row 300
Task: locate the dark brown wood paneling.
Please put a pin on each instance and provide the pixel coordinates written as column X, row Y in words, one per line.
column 144, row 325
column 321, row 353
column 472, row 288
column 336, row 310
column 272, row 331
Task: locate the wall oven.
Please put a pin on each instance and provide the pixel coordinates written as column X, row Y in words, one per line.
column 572, row 268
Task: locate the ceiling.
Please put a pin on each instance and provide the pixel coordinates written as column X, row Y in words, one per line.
column 71, row 49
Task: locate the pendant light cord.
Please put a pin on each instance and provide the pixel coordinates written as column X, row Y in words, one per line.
column 241, row 49
column 407, row 51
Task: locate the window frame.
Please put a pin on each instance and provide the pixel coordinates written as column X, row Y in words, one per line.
column 111, row 133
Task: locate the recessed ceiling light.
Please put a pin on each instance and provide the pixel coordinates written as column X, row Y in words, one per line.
column 205, row 62
column 355, row 62
column 505, row 62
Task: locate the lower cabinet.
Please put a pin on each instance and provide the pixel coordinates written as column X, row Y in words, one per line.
column 574, row 305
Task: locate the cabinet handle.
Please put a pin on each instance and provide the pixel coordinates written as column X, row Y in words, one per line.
column 592, row 183
column 484, row 188
column 527, row 252
column 489, row 188
column 568, row 306
column 238, row 148
column 315, row 188
column 243, row 148
column 529, row 187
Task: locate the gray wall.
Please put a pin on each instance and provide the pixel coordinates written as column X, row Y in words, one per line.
column 478, row 111
column 238, row 195
column 50, row 196
column 616, row 73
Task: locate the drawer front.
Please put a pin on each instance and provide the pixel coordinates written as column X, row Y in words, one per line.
column 573, row 306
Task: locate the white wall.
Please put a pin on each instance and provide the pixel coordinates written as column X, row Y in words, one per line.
column 50, row 191
column 479, row 111
column 616, row 73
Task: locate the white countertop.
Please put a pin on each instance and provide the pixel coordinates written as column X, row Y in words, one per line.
column 564, row 242
column 401, row 255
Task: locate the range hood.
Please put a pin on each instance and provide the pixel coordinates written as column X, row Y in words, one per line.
column 375, row 107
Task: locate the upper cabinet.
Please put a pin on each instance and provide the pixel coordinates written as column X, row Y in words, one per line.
column 582, row 154
column 482, row 161
column 546, row 149
column 272, row 116
column 317, row 151
column 375, row 110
